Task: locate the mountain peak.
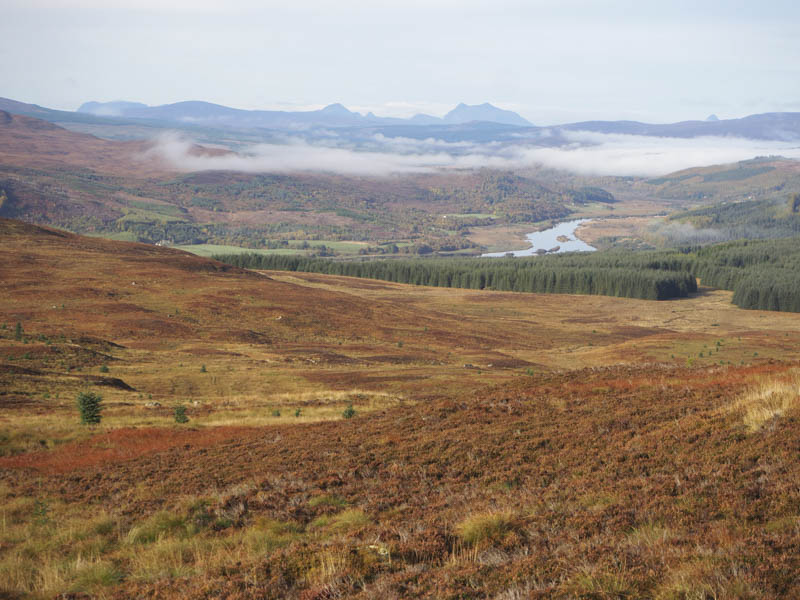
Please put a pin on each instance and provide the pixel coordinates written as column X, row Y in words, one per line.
column 464, row 113
column 336, row 109
column 117, row 108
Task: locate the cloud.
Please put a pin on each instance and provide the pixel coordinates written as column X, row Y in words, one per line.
column 379, row 155
column 299, row 156
column 685, row 233
column 604, row 154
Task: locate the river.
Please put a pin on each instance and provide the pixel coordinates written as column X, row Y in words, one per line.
column 548, row 240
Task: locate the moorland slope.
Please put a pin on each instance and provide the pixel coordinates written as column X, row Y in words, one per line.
column 503, row 445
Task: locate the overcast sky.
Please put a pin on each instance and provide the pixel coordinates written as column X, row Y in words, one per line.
column 552, row 61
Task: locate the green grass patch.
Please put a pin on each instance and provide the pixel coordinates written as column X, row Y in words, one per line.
column 208, row 250
column 327, row 500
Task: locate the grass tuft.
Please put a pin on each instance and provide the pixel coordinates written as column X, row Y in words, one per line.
column 346, row 520
column 160, row 525
column 766, row 402
column 486, row 527
column 649, row 535
column 96, row 574
column 327, row 500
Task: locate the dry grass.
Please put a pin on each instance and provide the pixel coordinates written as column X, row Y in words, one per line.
column 591, row 581
column 492, row 527
column 707, row 578
column 767, row 401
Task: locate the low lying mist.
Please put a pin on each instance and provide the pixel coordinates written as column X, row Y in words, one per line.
column 672, row 233
column 379, row 155
column 604, row 154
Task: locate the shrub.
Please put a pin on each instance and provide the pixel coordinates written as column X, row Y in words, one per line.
column 203, row 369
column 90, row 407
column 18, row 331
column 104, row 368
column 180, row 414
column 349, row 412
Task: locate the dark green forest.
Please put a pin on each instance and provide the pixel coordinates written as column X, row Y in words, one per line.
column 645, row 275
column 763, row 274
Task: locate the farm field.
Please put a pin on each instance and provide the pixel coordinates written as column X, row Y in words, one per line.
column 499, row 445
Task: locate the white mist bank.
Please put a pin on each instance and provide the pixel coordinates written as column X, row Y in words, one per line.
column 585, row 153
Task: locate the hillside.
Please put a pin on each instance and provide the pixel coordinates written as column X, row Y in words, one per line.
column 503, row 445
column 126, row 190
column 52, row 176
column 37, row 144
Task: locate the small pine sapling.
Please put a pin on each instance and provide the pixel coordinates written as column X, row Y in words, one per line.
column 90, row 407
column 180, row 414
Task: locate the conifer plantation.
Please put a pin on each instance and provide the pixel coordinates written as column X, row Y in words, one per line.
column 763, row 274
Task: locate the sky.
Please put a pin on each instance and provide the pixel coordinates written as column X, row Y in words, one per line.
column 551, row 61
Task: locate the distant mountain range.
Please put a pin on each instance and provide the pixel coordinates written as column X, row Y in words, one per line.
column 480, row 122
column 333, row 115
column 783, row 126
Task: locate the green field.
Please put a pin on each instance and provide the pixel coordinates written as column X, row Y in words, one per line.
column 208, row 250
column 470, row 216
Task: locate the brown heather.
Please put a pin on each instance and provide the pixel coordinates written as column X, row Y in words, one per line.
column 564, row 469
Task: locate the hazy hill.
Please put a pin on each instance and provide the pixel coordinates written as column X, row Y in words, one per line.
column 216, row 115
column 783, row 126
column 32, row 142
column 464, row 113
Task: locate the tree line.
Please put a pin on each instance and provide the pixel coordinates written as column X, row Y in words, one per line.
column 635, row 276
column 763, row 274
